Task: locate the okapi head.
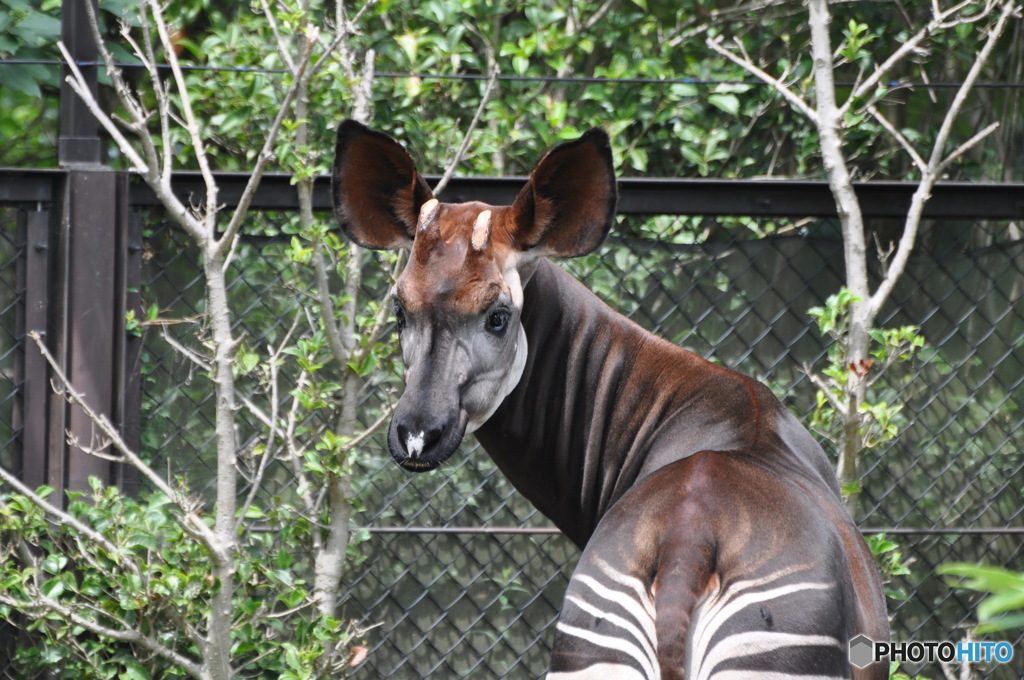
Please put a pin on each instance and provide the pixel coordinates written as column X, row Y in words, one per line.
column 458, row 301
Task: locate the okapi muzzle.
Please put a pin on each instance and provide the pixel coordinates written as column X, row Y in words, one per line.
column 458, row 302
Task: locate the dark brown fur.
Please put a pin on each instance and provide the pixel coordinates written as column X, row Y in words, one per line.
column 674, row 471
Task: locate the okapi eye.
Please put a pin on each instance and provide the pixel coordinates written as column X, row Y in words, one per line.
column 399, row 315
column 497, row 320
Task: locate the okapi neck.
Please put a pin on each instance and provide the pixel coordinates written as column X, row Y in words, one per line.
column 602, row 403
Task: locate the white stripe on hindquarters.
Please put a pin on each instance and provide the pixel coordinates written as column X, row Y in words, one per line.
column 642, row 612
column 643, row 595
column 708, row 623
column 635, row 617
column 762, row 675
column 618, row 644
column 602, row 671
column 757, row 642
column 722, row 605
column 645, row 643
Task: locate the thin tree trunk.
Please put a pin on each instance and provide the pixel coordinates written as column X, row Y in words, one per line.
column 218, row 658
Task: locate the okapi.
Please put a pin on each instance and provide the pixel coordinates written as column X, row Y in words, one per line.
column 715, row 543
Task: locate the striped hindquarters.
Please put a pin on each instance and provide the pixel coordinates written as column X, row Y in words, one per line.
column 606, row 629
column 768, row 628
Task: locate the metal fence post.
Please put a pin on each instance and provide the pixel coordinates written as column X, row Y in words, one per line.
column 127, row 347
column 79, row 141
column 95, row 274
column 85, row 319
column 34, row 281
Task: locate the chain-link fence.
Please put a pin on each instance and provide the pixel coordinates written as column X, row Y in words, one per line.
column 453, row 573
column 456, row 574
column 10, row 342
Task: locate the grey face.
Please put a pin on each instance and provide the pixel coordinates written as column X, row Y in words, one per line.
column 462, row 293
column 463, row 346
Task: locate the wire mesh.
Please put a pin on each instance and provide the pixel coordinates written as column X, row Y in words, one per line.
column 455, row 574
column 484, row 604
column 11, row 343
column 11, row 297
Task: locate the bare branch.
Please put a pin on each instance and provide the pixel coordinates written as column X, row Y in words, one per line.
column 938, row 160
column 189, row 521
column 966, row 146
column 191, row 125
column 298, row 462
column 367, row 433
column 940, row 20
column 339, row 349
column 63, row 518
column 345, row 28
column 598, row 14
column 353, row 286
column 274, row 364
column 40, row 606
column 1008, row 10
column 77, row 83
column 148, row 59
column 792, row 97
column 133, row 104
column 226, row 241
column 829, row 121
column 824, row 388
column 95, row 450
column 454, row 163
column 899, row 136
column 162, row 94
column 199, row 361
column 373, row 334
column 282, row 46
column 159, row 184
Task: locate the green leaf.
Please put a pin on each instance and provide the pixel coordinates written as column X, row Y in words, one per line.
column 245, row 362
column 252, row 512
column 134, row 671
column 984, row 577
column 53, row 588
column 1000, row 603
column 291, row 657
column 141, row 539
column 54, row 564
column 729, row 103
column 1011, row 622
column 17, row 78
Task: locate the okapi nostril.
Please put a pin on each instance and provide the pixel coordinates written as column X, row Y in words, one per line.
column 414, row 444
column 431, row 436
column 416, row 440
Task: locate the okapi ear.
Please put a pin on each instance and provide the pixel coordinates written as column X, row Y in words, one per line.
column 567, row 207
column 376, row 190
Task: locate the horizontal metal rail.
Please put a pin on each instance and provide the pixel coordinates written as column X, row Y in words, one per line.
column 520, row 78
column 545, row 531
column 638, row 196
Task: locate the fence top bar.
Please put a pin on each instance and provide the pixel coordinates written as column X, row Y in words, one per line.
column 36, row 185
column 903, row 531
column 668, row 196
column 638, row 196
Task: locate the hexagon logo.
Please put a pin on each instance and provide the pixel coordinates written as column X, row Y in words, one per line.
column 861, row 651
